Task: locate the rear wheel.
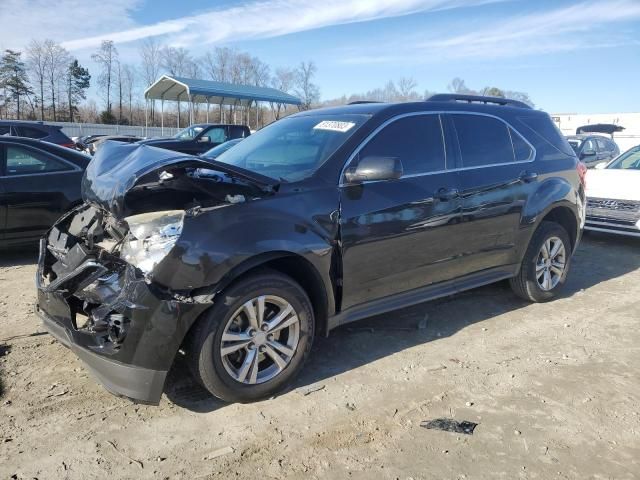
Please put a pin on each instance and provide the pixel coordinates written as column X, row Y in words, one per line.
column 545, row 265
column 255, row 340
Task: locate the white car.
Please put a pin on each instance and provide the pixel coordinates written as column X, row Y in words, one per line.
column 613, row 195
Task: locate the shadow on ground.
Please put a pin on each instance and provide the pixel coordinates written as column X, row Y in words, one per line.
column 599, row 259
column 18, row 257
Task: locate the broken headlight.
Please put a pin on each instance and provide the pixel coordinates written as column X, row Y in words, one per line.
column 151, row 237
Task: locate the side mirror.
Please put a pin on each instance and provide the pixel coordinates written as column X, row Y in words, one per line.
column 374, row 169
column 587, row 153
column 204, row 139
column 601, row 166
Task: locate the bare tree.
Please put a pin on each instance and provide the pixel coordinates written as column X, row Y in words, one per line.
column 457, row 85
column 308, row 91
column 57, row 60
column 128, row 83
column 107, row 58
column 283, row 80
column 37, row 67
column 151, row 55
column 406, row 89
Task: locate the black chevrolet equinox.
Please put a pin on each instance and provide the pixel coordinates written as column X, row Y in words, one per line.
column 320, row 219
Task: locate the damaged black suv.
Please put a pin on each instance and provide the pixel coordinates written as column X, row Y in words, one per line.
column 320, row 219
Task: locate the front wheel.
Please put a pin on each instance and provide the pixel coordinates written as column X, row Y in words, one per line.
column 255, row 340
column 544, row 268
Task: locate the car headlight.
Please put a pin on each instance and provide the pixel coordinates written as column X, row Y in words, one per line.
column 151, row 237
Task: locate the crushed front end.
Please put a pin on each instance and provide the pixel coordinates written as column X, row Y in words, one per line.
column 125, row 328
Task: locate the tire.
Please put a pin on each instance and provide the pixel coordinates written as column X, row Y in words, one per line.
column 222, row 373
column 526, row 284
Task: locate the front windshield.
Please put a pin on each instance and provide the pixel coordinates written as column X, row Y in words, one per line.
column 215, row 152
column 575, row 143
column 189, row 133
column 629, row 160
column 293, row 148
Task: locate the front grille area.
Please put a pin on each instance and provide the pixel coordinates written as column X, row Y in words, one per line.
column 626, row 212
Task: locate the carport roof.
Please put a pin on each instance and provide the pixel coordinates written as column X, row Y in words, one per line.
column 203, row 91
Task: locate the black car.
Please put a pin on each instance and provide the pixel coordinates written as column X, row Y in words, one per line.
column 199, row 138
column 215, row 152
column 320, row 219
column 593, row 149
column 94, row 144
column 37, row 130
column 39, row 181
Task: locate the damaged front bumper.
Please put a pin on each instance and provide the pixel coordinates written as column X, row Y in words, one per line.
column 126, row 329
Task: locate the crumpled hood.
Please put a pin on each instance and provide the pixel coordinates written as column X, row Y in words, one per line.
column 618, row 184
column 117, row 168
column 157, row 141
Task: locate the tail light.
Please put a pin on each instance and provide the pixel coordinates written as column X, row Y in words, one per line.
column 582, row 173
column 68, row 145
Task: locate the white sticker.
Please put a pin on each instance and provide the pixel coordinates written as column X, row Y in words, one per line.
column 335, row 126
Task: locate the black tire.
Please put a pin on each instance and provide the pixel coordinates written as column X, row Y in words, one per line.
column 525, row 284
column 204, row 349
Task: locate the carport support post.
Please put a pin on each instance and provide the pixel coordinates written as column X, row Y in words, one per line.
column 162, row 116
column 221, row 111
column 190, row 109
column 207, row 109
column 146, row 115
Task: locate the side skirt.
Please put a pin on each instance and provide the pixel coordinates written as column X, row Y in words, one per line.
column 422, row 294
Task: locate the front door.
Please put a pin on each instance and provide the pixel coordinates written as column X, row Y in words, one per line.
column 35, row 191
column 399, row 235
column 497, row 175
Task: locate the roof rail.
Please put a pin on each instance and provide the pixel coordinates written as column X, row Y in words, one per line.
column 454, row 97
column 362, row 102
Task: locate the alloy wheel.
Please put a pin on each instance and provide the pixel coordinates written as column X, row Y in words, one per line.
column 260, row 339
column 551, row 263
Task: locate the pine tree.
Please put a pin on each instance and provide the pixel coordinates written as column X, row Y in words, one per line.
column 78, row 79
column 13, row 77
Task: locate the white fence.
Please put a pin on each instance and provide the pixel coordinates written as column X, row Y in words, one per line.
column 79, row 129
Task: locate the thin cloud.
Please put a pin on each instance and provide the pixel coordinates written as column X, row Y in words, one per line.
column 561, row 30
column 269, row 18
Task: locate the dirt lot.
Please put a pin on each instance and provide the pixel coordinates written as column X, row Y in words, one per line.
column 554, row 388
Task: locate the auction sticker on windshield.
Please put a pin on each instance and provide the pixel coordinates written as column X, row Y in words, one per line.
column 335, row 126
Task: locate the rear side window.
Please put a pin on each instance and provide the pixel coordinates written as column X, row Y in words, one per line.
column 415, row 140
column 483, row 140
column 237, row 132
column 30, row 132
column 22, row 161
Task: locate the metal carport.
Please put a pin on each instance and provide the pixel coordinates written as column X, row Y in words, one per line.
column 178, row 89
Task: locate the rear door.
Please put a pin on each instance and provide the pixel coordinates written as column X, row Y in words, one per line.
column 37, row 187
column 398, row 235
column 497, row 175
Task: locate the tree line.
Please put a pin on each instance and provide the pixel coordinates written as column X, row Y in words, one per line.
column 45, row 82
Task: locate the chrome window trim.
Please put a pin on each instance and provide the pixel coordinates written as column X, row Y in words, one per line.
column 387, row 122
column 74, row 167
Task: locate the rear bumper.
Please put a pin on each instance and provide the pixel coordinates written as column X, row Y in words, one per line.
column 137, row 383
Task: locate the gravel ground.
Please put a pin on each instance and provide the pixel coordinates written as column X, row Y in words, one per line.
column 554, row 389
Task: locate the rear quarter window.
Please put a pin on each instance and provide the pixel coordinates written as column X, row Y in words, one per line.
column 31, row 132
column 483, row 140
column 543, row 127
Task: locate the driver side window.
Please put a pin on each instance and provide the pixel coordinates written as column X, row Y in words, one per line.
column 215, row 135
column 21, row 161
column 416, row 140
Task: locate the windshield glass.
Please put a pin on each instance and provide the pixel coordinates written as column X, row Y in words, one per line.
column 575, row 143
column 629, row 160
column 189, row 133
column 293, row 148
column 220, row 149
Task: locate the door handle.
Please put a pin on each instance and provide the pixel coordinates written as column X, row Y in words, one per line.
column 446, row 194
column 528, row 177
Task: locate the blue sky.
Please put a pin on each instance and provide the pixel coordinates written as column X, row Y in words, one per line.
column 570, row 56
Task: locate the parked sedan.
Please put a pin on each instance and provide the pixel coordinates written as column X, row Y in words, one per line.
column 593, row 149
column 613, row 195
column 39, row 181
column 95, row 144
column 197, row 139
